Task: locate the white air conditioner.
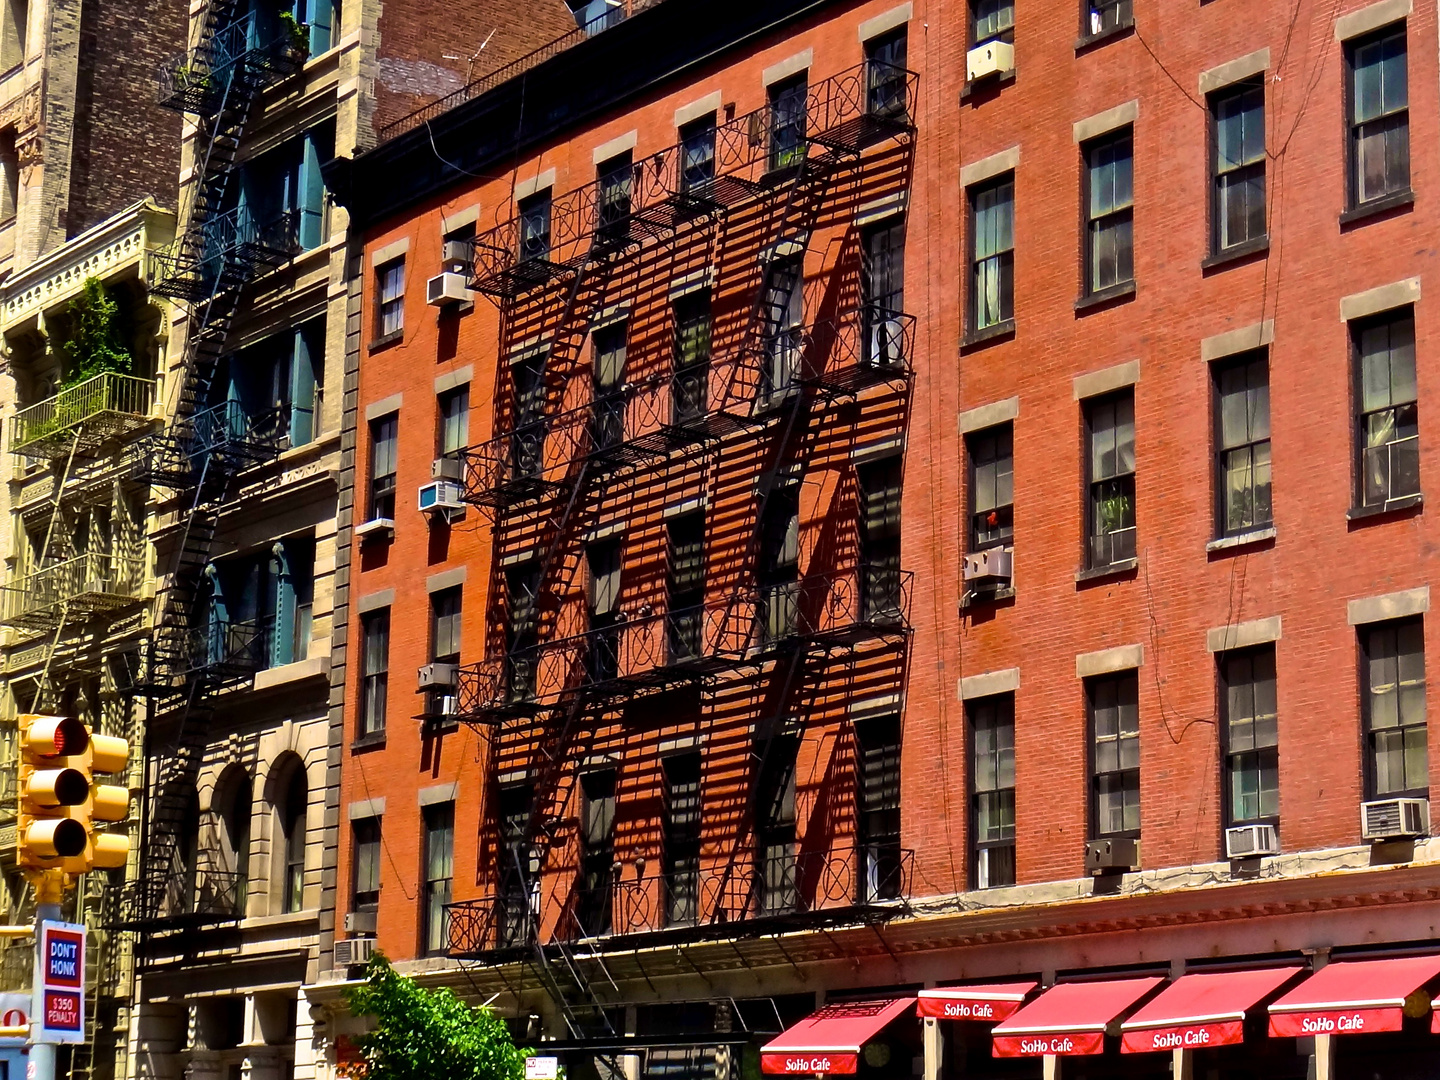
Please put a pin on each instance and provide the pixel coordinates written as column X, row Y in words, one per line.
column 447, row 468
column 991, row 58
column 455, row 253
column 360, row 922
column 992, row 566
column 440, row 495
column 442, row 706
column 1115, row 853
column 433, row 675
column 375, row 528
column 1395, row 819
column 446, row 288
column 1250, row 841
column 352, row 952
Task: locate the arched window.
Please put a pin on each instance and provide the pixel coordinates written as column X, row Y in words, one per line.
column 292, row 828
column 233, row 872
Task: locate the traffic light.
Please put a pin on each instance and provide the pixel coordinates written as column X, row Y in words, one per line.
column 59, row 800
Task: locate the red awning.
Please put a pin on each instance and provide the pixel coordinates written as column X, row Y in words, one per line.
column 829, row 1040
column 993, row 1001
column 1202, row 1009
column 1348, row 997
column 1069, row 1018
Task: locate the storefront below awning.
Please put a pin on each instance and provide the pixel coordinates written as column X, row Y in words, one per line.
column 1351, row 997
column 1201, row 1010
column 1069, row 1018
column 989, row 1002
column 829, row 1040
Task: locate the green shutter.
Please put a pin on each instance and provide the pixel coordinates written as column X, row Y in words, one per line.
column 309, row 345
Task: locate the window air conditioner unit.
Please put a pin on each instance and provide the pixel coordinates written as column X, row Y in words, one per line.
column 447, row 468
column 375, row 528
column 440, row 495
column 352, row 952
column 1111, row 855
column 992, row 566
column 1395, row 819
column 1250, row 841
column 456, row 255
column 441, row 705
column 991, row 58
column 446, row 288
column 433, row 675
column 359, row 922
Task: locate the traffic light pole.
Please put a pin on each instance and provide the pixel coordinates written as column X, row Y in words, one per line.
column 41, row 1062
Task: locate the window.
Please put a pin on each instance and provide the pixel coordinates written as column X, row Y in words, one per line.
column 613, row 211
column 232, row 876
column 391, row 313
column 280, row 205
column 12, row 44
column 518, row 864
column 691, row 391
column 445, row 625
column 323, row 19
column 365, row 877
column 292, row 829
column 1104, row 15
column 779, row 571
column 1115, row 754
column 439, row 854
column 375, row 675
column 882, row 284
column 1110, row 435
column 9, row 176
column 607, row 424
column 1397, row 762
column 697, row 153
column 1379, row 116
column 265, row 394
column 777, row 889
column 1109, row 205
column 1389, row 423
column 885, row 60
column 535, row 227
column 990, row 19
column 597, row 851
column 527, row 440
column 1237, row 214
column 880, row 581
column 522, row 587
column 453, row 431
column 1250, row 738
column 685, row 585
column 784, row 306
column 681, row 826
column 787, row 122
column 603, row 559
column 992, row 787
column 992, row 482
column 384, row 448
column 992, row 253
column 1242, row 437
column 877, row 806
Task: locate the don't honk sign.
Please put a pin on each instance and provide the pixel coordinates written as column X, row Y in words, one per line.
column 62, row 984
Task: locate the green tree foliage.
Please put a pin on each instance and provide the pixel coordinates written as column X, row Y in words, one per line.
column 95, row 345
column 428, row 1034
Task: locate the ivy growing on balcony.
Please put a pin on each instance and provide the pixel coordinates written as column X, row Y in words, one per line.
column 95, row 345
column 424, row 1034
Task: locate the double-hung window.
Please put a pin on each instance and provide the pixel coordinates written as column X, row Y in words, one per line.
column 785, row 318
column 1237, row 212
column 597, row 851
column 681, row 838
column 992, row 788
column 685, row 586
column 1250, row 736
column 607, row 421
column 384, row 450
column 691, row 389
column 439, row 855
column 445, row 625
column 1242, row 441
column 885, row 59
column 877, row 798
column 992, row 253
column 990, row 19
column 882, row 586
column 1379, row 125
column 1105, row 15
column 535, row 227
column 1397, row 762
column 697, row 153
column 390, row 310
column 375, row 674
column 778, row 887
column 992, row 483
column 882, row 291
column 1114, row 754
column 613, row 209
column 1109, row 212
column 1110, row 435
column 454, row 428
column 779, row 571
column 787, row 122
column 1389, row 420
column 365, row 873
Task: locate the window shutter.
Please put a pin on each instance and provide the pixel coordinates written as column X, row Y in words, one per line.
column 321, row 18
column 302, row 382
column 311, row 201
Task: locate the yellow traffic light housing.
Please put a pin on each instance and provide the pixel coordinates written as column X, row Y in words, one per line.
column 59, row 800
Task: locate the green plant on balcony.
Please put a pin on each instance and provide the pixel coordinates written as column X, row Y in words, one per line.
column 298, row 34
column 95, row 345
column 189, row 77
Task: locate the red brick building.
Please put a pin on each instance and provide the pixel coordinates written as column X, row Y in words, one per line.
column 941, row 506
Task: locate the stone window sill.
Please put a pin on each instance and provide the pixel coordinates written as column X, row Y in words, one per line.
column 1238, row 253
column 1100, row 573
column 1394, row 201
column 1239, row 540
column 1086, row 42
column 386, row 340
column 1113, row 294
column 1393, row 506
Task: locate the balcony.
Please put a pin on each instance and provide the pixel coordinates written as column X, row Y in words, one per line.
column 697, row 180
column 82, row 417
column 771, row 893
column 234, row 62
column 183, row 901
column 92, row 584
column 225, row 650
column 210, row 445
column 224, row 252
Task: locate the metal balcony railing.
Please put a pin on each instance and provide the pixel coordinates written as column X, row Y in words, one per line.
column 106, row 407
column 223, row 434
column 638, row 652
column 90, row 584
column 765, row 893
column 705, row 175
column 184, row 900
column 224, row 649
column 196, row 81
column 224, row 252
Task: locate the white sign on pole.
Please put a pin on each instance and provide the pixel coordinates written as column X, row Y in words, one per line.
column 14, row 1012
column 62, row 983
column 542, row 1068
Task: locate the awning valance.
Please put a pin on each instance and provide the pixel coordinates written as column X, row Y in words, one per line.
column 989, row 1002
column 829, row 1040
